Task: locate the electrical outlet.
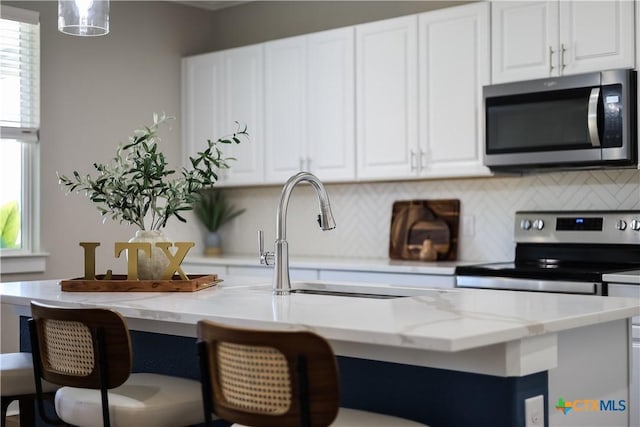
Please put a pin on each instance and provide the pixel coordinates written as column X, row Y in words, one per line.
column 534, row 411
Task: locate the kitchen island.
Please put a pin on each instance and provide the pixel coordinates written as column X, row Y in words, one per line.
column 444, row 357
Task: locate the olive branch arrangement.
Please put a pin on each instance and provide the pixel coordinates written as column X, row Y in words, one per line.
column 138, row 181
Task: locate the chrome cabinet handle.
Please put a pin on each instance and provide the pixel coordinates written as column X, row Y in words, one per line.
column 551, row 67
column 305, row 161
column 421, row 156
column 412, row 160
column 562, row 51
column 592, row 117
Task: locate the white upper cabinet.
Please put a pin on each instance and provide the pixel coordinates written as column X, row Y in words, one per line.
column 454, row 64
column 285, row 100
column 331, row 146
column 220, row 89
column 310, row 106
column 524, row 39
column 537, row 39
column 387, row 98
column 596, row 35
column 201, row 86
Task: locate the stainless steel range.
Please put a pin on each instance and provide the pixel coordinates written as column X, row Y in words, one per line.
column 562, row 251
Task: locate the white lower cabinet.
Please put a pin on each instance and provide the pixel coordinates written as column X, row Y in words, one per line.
column 328, row 274
column 188, row 268
column 633, row 406
column 397, row 279
column 264, row 271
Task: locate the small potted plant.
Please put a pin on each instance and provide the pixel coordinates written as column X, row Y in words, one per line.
column 138, row 187
column 213, row 210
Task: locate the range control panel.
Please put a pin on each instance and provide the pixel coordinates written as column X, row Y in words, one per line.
column 608, row 227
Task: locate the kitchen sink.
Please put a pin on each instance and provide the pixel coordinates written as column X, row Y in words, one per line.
column 356, row 290
column 344, row 294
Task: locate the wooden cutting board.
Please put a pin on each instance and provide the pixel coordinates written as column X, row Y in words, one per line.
column 424, row 230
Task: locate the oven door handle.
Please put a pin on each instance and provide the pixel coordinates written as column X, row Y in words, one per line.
column 592, row 117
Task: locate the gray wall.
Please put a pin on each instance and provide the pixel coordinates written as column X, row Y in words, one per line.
column 268, row 20
column 95, row 91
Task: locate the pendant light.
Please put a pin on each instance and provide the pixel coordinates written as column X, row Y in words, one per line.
column 83, row 17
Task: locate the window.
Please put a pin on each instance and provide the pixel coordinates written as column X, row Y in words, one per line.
column 19, row 123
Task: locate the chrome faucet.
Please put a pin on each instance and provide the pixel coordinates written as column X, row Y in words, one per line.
column 281, row 282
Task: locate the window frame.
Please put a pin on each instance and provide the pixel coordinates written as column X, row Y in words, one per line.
column 28, row 258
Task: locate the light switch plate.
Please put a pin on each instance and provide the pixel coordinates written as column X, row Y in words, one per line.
column 534, row 411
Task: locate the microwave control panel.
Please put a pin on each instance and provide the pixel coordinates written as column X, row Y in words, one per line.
column 612, row 103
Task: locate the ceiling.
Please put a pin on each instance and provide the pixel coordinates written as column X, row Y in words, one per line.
column 212, row 5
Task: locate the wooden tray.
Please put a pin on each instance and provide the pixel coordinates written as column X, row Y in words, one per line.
column 416, row 222
column 119, row 283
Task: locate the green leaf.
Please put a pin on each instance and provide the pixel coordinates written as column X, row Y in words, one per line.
column 138, row 180
column 9, row 224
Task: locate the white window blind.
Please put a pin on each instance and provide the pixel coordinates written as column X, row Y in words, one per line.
column 19, row 74
column 19, row 152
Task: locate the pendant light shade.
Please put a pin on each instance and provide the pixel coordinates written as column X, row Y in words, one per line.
column 83, row 17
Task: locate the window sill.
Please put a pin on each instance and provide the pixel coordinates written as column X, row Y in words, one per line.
column 23, row 263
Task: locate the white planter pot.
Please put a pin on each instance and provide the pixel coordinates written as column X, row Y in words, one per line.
column 212, row 244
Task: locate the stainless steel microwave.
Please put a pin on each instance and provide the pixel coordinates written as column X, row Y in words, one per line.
column 581, row 121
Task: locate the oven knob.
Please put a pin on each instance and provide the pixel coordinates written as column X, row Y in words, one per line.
column 525, row 224
column 635, row 225
column 538, row 224
column 621, row 224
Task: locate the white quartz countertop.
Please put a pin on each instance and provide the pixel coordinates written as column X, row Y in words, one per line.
column 448, row 320
column 632, row 277
column 446, row 268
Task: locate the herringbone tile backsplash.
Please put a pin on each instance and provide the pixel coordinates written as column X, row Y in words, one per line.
column 363, row 211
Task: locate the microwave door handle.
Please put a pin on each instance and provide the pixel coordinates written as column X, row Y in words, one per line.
column 592, row 117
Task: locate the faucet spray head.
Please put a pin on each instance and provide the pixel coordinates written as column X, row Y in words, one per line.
column 325, row 219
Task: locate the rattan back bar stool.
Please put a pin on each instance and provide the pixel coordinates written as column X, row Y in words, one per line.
column 88, row 352
column 265, row 378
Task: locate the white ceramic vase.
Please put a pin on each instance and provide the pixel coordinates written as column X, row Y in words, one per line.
column 151, row 268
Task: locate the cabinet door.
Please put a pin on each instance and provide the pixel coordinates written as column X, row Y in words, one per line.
column 386, row 98
column 331, row 105
column 524, row 36
column 596, row 35
column 201, row 87
column 243, row 103
column 454, row 65
column 285, row 126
